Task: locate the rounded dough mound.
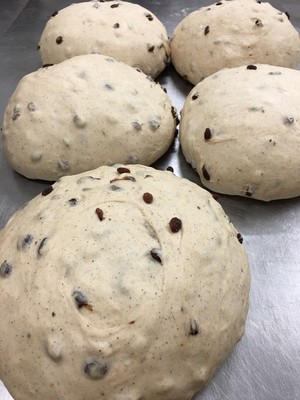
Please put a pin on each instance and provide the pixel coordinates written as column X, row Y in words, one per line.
column 112, row 288
column 124, row 31
column 85, row 112
column 240, row 129
column 231, row 34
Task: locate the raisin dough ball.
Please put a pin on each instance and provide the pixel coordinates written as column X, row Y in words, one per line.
column 124, row 31
column 85, row 112
column 113, row 289
column 240, row 129
column 231, row 34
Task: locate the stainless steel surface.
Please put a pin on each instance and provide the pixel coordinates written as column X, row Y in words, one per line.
column 265, row 365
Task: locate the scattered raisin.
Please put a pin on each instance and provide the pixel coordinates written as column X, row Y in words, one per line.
column 288, row 15
column 16, row 113
column 206, row 30
column 47, row 65
column 47, row 190
column 149, row 17
column 240, row 238
column 54, row 14
column 148, row 198
column 59, row 39
column 289, row 119
column 205, row 173
column 100, row 213
column 116, row 25
column 5, row 269
column 125, row 178
column 73, row 201
column 207, row 134
column 194, row 329
column 169, row 168
column 115, row 5
column 219, row 3
column 123, row 170
column 175, row 115
column 81, row 300
column 95, row 369
column 155, row 256
column 151, row 49
column 247, row 193
column 251, row 67
column 259, row 23
column 195, row 96
column 175, row 224
column 27, row 241
column 42, row 244
column 137, row 126
column 38, row 47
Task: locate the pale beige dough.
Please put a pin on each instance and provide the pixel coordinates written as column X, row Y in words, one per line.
column 119, row 29
column 85, row 112
column 240, row 129
column 231, row 34
column 113, row 304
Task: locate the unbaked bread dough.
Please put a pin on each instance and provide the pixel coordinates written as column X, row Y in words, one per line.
column 240, row 129
column 119, row 29
column 85, row 112
column 112, row 288
column 231, row 34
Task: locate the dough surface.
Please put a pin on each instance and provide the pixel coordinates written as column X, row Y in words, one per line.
column 112, row 288
column 122, row 30
column 240, row 129
column 231, row 34
column 85, row 112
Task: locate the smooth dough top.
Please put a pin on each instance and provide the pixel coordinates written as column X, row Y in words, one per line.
column 231, row 34
column 112, row 288
column 240, row 129
column 85, row 112
column 122, row 30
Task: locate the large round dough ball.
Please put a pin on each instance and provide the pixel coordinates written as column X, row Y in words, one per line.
column 85, row 112
column 240, row 129
column 112, row 288
column 122, row 30
column 231, row 34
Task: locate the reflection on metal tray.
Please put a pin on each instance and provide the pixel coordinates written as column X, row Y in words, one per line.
column 265, row 365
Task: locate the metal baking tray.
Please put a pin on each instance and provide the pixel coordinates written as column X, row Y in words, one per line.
column 265, row 365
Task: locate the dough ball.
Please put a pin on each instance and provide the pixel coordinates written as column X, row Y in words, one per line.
column 85, row 112
column 231, row 34
column 113, row 288
column 240, row 129
column 122, row 30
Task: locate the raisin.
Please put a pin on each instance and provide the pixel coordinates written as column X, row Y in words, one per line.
column 27, row 241
column 73, row 201
column 207, row 134
column 149, row 17
column 115, row 5
column 240, row 238
column 251, row 67
column 175, row 115
column 116, row 25
column 195, row 96
column 47, row 190
column 148, row 198
column 219, row 3
column 47, row 65
column 38, row 47
column 151, row 49
column 59, row 39
column 42, row 244
column 54, row 14
column 175, row 224
column 206, row 175
column 155, row 256
column 169, row 168
column 194, row 329
column 95, row 369
column 100, row 214
column 123, row 170
column 81, row 300
column 288, row 15
column 206, row 30
column 16, row 113
column 5, row 269
column 259, row 23
column 137, row 126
